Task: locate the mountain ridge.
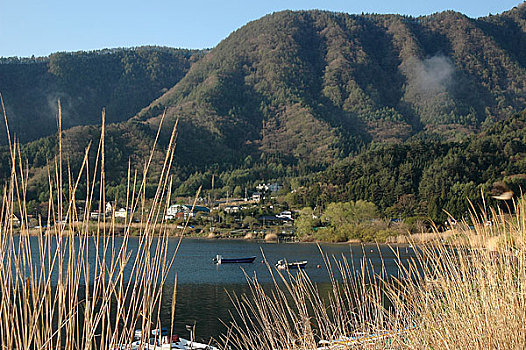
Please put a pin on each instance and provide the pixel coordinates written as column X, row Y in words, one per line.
column 120, row 80
column 375, row 74
column 297, row 92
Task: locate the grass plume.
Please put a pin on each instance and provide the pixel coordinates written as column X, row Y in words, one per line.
column 463, row 297
column 73, row 285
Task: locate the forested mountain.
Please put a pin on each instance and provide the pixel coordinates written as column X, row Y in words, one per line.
column 426, row 177
column 121, row 80
column 317, row 85
column 385, row 108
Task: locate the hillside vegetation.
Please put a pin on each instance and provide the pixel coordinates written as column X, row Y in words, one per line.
column 425, row 178
column 317, row 85
column 414, row 115
column 121, row 80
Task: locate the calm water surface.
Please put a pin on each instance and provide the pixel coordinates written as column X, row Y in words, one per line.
column 203, row 287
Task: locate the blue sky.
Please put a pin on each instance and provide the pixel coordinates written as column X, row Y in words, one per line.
column 41, row 27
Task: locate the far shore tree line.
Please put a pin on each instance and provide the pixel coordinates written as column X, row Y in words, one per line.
column 420, row 180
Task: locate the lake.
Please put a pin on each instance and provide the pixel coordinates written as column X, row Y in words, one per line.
column 203, row 288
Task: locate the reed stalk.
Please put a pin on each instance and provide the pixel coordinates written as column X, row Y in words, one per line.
column 471, row 296
column 73, row 286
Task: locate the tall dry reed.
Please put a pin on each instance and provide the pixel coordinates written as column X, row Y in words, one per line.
column 444, row 298
column 74, row 286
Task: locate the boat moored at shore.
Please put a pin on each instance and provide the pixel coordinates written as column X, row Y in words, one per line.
column 160, row 339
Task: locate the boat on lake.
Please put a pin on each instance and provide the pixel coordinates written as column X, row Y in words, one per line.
column 284, row 265
column 160, row 339
column 220, row 260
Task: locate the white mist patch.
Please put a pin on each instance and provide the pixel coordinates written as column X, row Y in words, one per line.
column 431, row 75
column 52, row 103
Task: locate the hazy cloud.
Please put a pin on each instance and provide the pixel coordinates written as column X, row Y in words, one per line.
column 65, row 103
column 431, row 75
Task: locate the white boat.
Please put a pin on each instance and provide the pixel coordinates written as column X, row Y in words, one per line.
column 162, row 340
column 177, row 343
column 284, row 265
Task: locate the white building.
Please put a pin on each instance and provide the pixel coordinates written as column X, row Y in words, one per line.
column 232, row 209
column 94, row 215
column 256, row 196
column 287, row 214
column 271, row 187
column 184, row 210
column 109, row 208
column 121, row 213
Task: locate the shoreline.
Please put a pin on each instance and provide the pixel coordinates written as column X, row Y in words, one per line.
column 455, row 238
column 32, row 232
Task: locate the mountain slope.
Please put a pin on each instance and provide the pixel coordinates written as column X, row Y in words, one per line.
column 296, row 92
column 319, row 84
column 121, row 80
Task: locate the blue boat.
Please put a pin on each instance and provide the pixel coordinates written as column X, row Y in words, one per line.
column 220, row 260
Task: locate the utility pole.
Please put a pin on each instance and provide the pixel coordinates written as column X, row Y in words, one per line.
column 213, row 192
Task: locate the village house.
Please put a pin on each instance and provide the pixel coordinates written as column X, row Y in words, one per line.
column 108, row 211
column 232, row 209
column 256, row 196
column 109, row 208
column 270, row 187
column 94, row 215
column 287, row 215
column 15, row 221
column 122, row 213
column 184, row 211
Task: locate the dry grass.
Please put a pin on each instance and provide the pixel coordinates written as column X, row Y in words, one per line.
column 65, row 287
column 444, row 298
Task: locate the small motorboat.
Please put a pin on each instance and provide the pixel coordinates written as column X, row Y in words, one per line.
column 284, row 265
column 220, row 260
